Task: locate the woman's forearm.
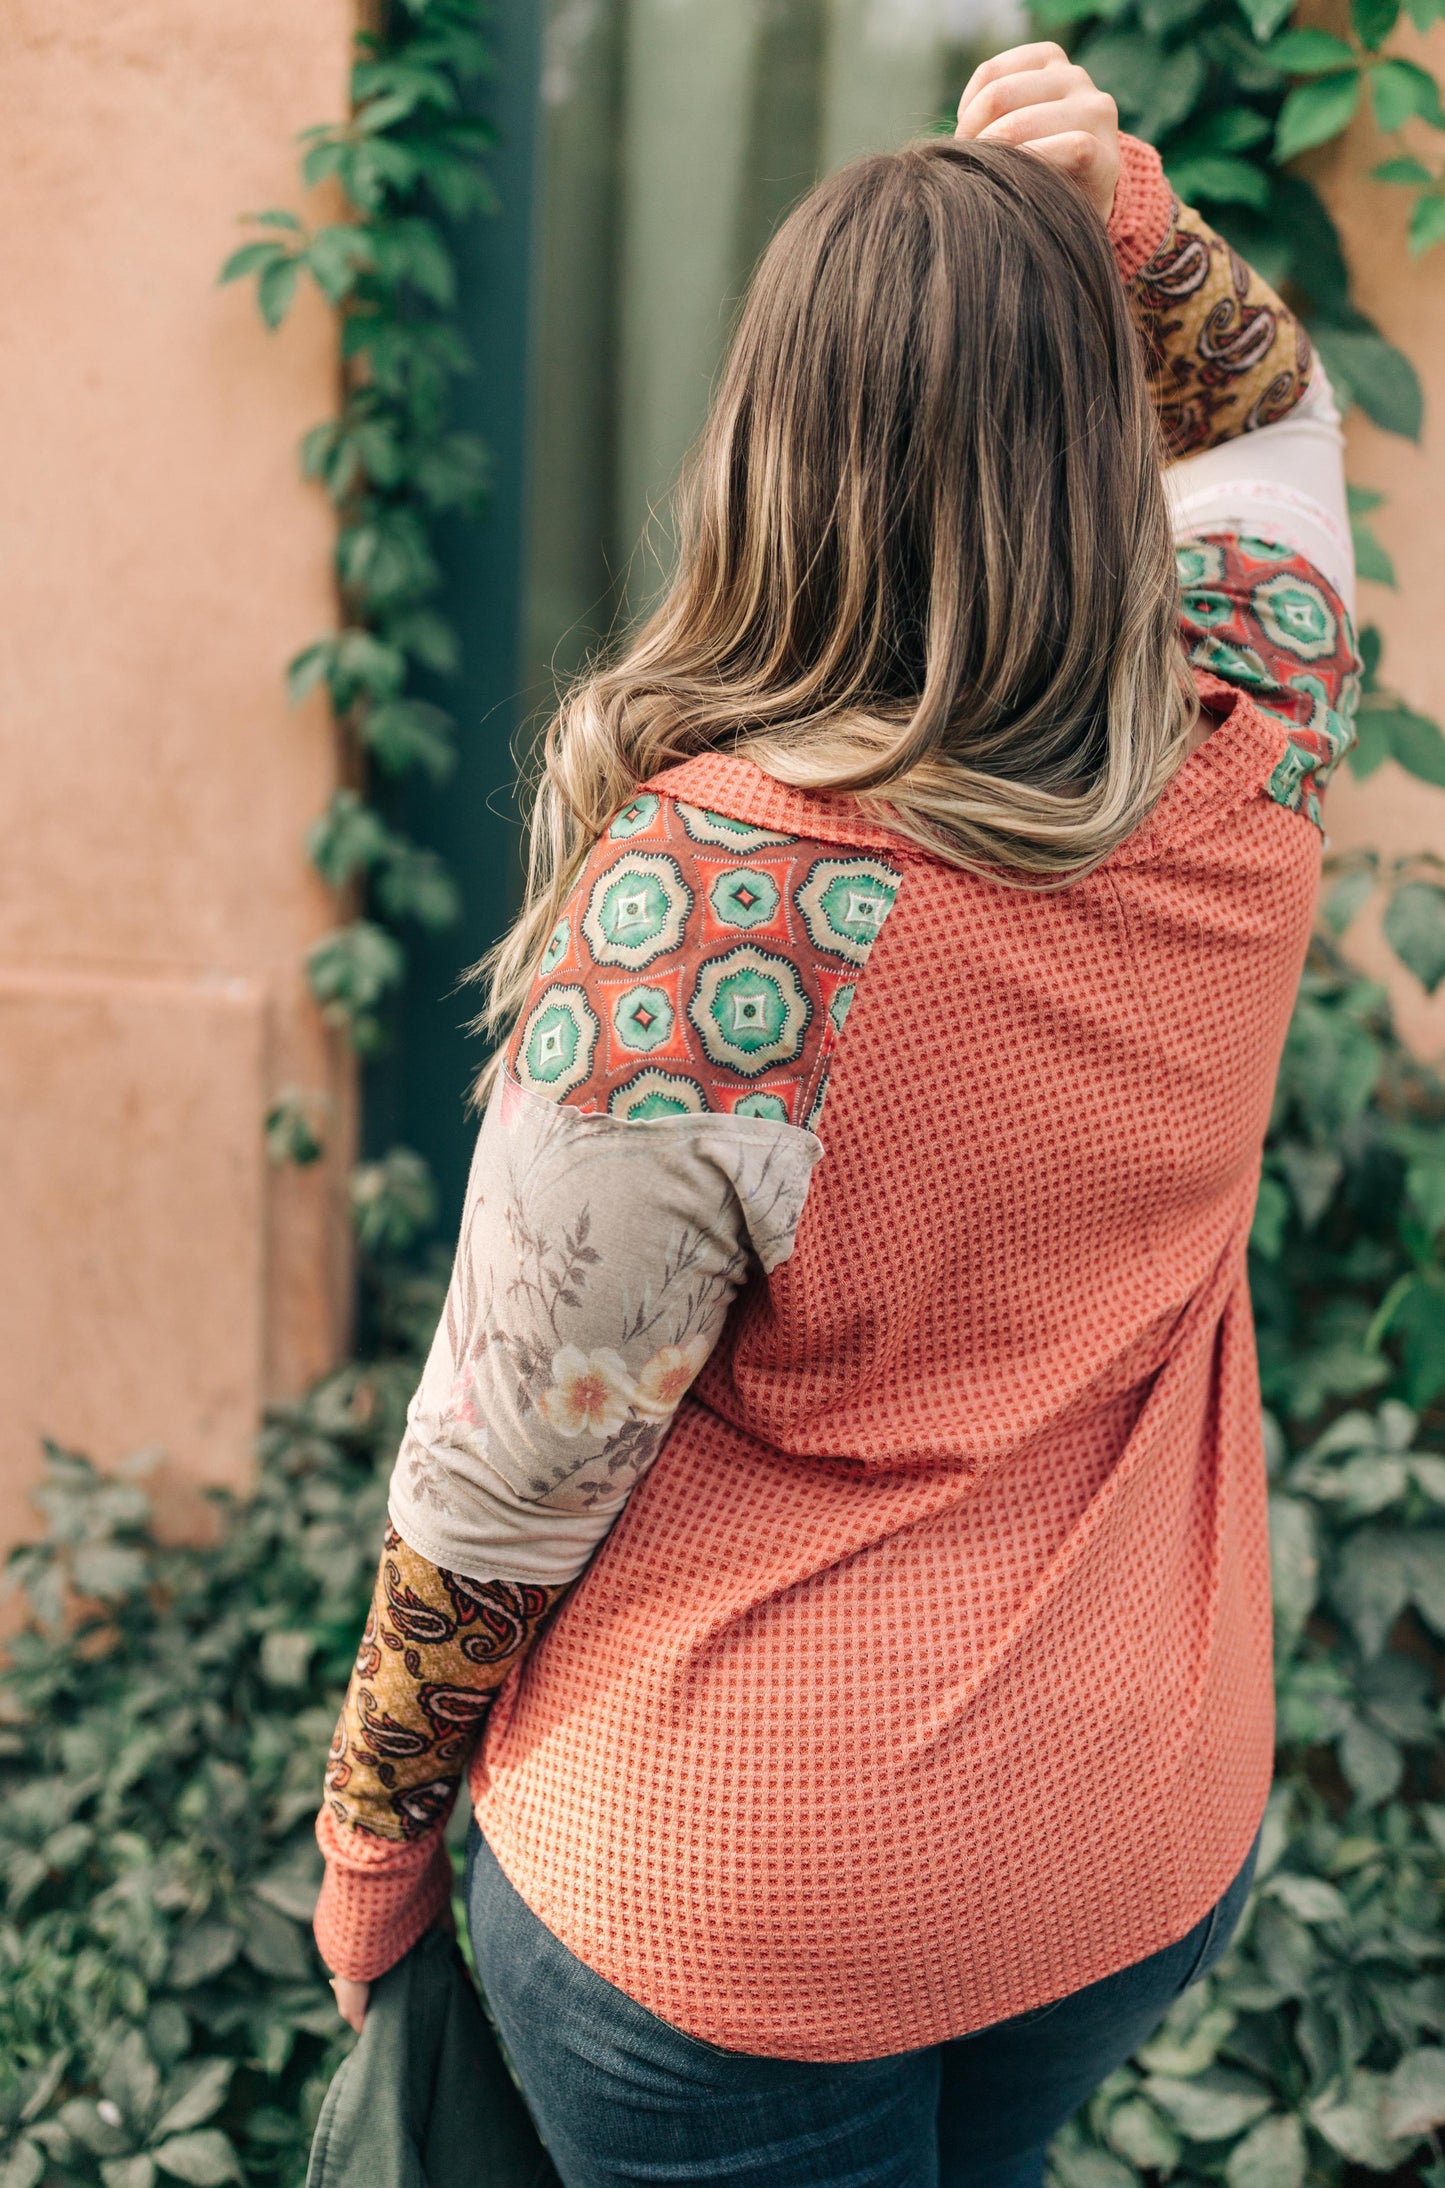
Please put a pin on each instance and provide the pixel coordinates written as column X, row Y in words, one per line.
column 435, row 1649
column 1224, row 354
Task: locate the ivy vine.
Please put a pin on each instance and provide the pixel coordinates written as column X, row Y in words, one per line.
column 409, row 159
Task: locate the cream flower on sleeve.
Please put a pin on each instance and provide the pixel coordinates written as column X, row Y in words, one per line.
column 590, row 1390
column 664, row 1382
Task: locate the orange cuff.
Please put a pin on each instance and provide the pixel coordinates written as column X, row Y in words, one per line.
column 377, row 1898
column 1143, row 206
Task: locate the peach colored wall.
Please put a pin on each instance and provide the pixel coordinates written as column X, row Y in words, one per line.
column 1391, row 811
column 159, row 562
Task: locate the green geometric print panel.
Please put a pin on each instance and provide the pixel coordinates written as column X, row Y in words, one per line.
column 702, row 965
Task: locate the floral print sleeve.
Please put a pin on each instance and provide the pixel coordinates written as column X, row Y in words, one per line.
column 1224, row 354
column 647, row 1147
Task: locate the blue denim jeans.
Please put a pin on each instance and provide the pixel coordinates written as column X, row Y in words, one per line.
column 623, row 2098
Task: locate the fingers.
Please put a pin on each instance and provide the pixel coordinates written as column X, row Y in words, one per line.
column 1084, row 121
column 351, row 1999
column 1056, row 83
column 1083, row 155
column 1013, row 62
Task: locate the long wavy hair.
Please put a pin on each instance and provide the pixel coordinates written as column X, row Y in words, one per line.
column 924, row 555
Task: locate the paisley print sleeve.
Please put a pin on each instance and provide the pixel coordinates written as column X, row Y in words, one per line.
column 435, row 1649
column 1223, row 354
column 1258, row 617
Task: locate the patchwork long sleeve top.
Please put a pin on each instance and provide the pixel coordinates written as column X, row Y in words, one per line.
column 851, row 1291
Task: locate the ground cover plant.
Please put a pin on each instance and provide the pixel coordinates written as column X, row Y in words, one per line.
column 164, row 1712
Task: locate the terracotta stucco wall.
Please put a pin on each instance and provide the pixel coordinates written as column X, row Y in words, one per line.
column 161, row 561
column 1391, row 812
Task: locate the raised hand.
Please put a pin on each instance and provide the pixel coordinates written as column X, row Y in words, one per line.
column 1036, row 97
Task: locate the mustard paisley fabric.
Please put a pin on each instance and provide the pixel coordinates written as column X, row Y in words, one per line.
column 1224, row 354
column 434, row 1651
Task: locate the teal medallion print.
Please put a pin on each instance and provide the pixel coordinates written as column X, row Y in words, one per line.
column 639, row 813
column 841, row 1003
column 643, row 1018
column 557, row 942
column 658, row 1094
column 844, row 902
column 743, row 897
column 558, row 1040
column 771, row 1106
column 637, row 910
column 1296, row 616
column 1198, row 563
column 1206, row 609
column 751, row 1010
column 1264, row 550
column 1233, row 664
column 735, row 835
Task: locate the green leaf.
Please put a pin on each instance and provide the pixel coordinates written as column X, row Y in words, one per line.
column 1311, row 52
column 1272, row 2155
column 136, row 2172
column 1143, row 2136
column 1405, row 169
column 1155, row 88
column 1427, row 224
column 1368, row 370
column 201, row 1952
column 1212, row 2107
column 292, row 1130
column 1374, row 20
column 1415, row 930
column 249, row 259
column 1402, row 92
column 1265, row 16
column 1271, row 1215
column 1417, row 744
column 352, row 968
column 1353, row 2124
column 1315, row 112
column 1372, row 1764
column 205, row 2158
column 1212, row 177
column 1294, row 1567
column 197, row 2089
column 347, row 839
column 1309, row 1899
column 1371, row 1585
column 393, row 1202
column 407, row 733
column 1425, row 1186
column 1414, row 2097
column 1371, row 747
column 276, row 288
column 1347, row 898
column 22, row 2165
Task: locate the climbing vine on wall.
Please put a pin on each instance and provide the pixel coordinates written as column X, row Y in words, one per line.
column 408, row 160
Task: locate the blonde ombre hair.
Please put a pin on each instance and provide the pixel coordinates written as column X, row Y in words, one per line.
column 924, row 551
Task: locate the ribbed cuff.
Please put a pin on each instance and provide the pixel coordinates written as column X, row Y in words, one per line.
column 376, row 1898
column 1143, row 206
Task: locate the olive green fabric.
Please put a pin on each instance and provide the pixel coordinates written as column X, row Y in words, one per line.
column 425, row 2099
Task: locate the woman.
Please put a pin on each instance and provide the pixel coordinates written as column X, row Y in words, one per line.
column 848, row 1367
